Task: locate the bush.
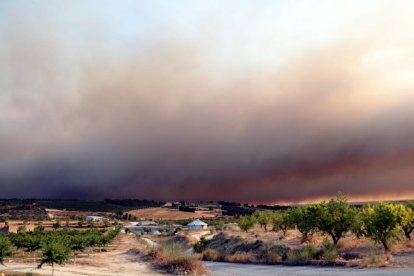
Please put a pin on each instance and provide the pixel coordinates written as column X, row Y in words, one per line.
column 201, row 245
column 172, row 258
column 309, row 252
column 279, row 250
column 329, row 252
column 295, row 257
column 242, row 258
column 4, row 248
column 212, row 255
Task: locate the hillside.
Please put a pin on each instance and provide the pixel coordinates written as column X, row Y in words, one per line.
column 169, row 214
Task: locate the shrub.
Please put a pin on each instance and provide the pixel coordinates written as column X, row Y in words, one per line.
column 242, row 258
column 328, row 251
column 173, row 259
column 279, row 250
column 201, row 245
column 4, row 248
column 294, row 257
column 372, row 259
column 212, row 255
column 309, row 252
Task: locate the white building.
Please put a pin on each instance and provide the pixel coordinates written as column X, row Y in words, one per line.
column 94, row 219
column 197, row 225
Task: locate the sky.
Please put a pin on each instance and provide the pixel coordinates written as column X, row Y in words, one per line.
column 247, row 101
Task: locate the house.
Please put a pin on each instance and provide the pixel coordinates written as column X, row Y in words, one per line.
column 197, row 225
column 94, row 219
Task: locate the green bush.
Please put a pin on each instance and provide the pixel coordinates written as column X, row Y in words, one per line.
column 328, row 251
column 309, row 252
column 295, row 257
column 201, row 245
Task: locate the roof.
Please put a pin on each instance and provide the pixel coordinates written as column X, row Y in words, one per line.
column 146, row 223
column 197, row 222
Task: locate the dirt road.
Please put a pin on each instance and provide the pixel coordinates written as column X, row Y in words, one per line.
column 228, row 269
column 121, row 259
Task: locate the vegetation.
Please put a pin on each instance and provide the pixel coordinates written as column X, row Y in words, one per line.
column 380, row 222
column 263, row 218
column 247, row 222
column 54, row 252
column 172, row 258
column 335, row 218
column 4, row 248
column 56, row 247
column 304, row 219
column 201, row 245
column 406, row 218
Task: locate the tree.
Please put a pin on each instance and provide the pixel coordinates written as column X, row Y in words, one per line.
column 281, row 221
column 406, row 218
column 380, row 222
column 247, row 222
column 32, row 243
column 304, row 220
column 54, row 252
column 264, row 218
column 4, row 248
column 335, row 218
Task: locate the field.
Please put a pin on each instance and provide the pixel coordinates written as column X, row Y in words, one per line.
column 119, row 258
column 170, row 214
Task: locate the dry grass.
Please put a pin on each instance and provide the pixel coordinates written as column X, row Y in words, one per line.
column 171, row 258
column 212, row 255
column 373, row 259
column 242, row 258
column 169, row 214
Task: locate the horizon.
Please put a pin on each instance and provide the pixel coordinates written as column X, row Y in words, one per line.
column 296, row 203
column 267, row 102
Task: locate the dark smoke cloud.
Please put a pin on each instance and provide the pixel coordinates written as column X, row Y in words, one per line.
column 163, row 122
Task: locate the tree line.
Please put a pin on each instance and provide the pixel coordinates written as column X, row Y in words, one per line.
column 382, row 222
column 57, row 247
